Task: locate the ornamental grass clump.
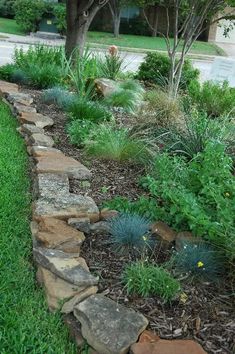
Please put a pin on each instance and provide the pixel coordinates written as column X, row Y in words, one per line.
column 112, row 143
column 83, row 109
column 199, row 260
column 59, row 96
column 150, row 280
column 129, row 233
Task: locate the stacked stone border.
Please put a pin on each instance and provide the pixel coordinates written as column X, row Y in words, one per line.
column 58, row 217
column 60, row 220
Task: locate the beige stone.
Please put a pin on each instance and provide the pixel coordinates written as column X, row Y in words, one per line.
column 21, row 108
column 40, row 140
column 55, row 233
column 164, row 232
column 59, row 163
column 106, row 214
column 69, row 305
column 42, row 151
column 7, row 87
column 57, row 290
column 168, row 347
column 105, row 86
column 37, row 119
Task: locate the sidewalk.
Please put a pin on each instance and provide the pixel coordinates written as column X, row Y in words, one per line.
column 31, row 40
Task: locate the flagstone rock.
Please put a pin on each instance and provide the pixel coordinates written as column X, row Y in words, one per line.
column 57, row 290
column 81, row 224
column 108, row 327
column 100, row 227
column 68, row 307
column 41, row 151
column 37, row 119
column 57, row 234
column 105, row 86
column 7, row 88
column 40, row 140
column 65, row 266
column 30, row 129
column 54, row 200
column 168, row 347
column 59, row 163
column 21, row 98
column 149, row 337
column 21, row 108
column 106, row 214
column 164, row 232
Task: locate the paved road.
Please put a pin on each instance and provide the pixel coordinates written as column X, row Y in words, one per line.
column 131, row 62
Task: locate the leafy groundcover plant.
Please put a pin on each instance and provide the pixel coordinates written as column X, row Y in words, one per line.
column 150, row 280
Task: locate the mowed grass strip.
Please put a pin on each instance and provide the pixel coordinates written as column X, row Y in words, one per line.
column 26, row 326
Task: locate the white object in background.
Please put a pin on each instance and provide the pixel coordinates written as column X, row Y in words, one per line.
column 223, row 70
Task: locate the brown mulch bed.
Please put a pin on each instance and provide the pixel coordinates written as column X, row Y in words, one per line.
column 208, row 314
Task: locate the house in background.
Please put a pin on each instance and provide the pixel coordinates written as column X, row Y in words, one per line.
column 217, row 30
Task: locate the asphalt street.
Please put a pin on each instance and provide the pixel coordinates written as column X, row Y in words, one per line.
column 131, row 60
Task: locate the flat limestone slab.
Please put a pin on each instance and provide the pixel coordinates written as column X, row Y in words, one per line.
column 57, row 234
column 37, row 119
column 108, row 327
column 59, row 163
column 39, row 139
column 21, row 108
column 7, row 87
column 65, row 266
column 19, row 97
column 50, row 186
column 41, row 151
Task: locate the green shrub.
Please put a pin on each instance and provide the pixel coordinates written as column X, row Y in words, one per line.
column 89, row 110
column 79, row 131
column 198, row 195
column 59, row 96
column 7, row 8
column 6, row 71
column 199, row 261
column 110, row 66
column 29, row 13
column 129, row 233
column 43, row 76
column 144, row 206
column 20, row 77
column 115, row 144
column 156, row 67
column 59, row 12
column 215, row 99
column 150, row 280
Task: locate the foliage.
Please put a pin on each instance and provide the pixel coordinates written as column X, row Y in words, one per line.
column 18, row 289
column 115, row 144
column 110, row 66
column 6, row 71
column 200, row 261
column 128, row 96
column 43, row 76
column 59, row 96
column 199, row 195
column 198, row 130
column 213, row 98
column 160, row 110
column 59, row 12
column 7, row 8
column 156, row 68
column 89, row 110
column 79, row 131
column 150, row 280
column 20, row 77
column 144, row 206
column 29, row 13
column 129, row 233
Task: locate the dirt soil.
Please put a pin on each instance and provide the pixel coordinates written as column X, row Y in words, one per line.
column 208, row 314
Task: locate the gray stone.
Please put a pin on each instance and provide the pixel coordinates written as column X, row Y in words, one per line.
column 20, row 108
column 108, row 327
column 38, row 151
column 69, row 305
column 41, row 140
column 105, row 86
column 100, row 227
column 65, row 266
column 50, row 186
column 81, row 224
column 21, row 98
column 37, row 119
column 30, row 129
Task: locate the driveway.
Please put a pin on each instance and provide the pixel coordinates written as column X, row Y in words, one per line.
column 228, row 48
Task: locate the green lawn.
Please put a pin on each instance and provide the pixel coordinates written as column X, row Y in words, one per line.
column 10, row 26
column 26, row 326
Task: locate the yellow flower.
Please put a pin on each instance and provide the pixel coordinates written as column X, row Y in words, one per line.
column 227, row 194
column 144, row 238
column 183, row 298
column 200, row 264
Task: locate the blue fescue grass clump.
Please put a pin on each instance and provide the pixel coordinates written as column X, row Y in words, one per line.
column 129, row 232
column 59, row 96
column 150, row 280
column 200, row 261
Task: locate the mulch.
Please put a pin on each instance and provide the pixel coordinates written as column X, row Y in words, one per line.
column 208, row 315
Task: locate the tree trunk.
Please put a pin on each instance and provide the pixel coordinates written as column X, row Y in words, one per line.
column 116, row 24
column 155, row 22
